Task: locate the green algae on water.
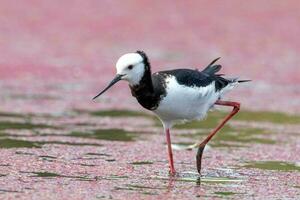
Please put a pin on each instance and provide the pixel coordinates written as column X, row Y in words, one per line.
column 97, row 154
column 214, row 118
column 56, row 175
column 48, row 157
column 144, row 187
column 115, row 177
column 198, row 179
column 26, row 125
column 225, row 193
column 69, row 143
column 107, row 134
column 139, row 188
column 118, row 113
column 15, row 143
column 15, row 115
column 142, row 163
column 230, row 137
column 46, row 174
column 211, row 121
column 273, row 117
column 273, row 165
column 244, row 136
column 24, row 153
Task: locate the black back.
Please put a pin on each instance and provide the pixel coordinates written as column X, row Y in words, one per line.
column 192, row 78
column 152, row 88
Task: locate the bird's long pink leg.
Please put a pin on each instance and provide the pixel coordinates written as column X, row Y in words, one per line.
column 236, row 108
column 171, row 163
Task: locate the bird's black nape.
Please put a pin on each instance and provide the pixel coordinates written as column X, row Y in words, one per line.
column 145, row 58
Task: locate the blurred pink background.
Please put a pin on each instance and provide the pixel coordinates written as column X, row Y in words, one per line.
column 56, row 55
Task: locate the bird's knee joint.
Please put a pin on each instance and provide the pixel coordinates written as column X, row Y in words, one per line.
column 236, row 106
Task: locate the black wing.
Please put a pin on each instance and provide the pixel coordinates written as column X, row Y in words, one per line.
column 189, row 77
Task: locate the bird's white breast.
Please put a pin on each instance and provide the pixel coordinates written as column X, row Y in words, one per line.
column 185, row 103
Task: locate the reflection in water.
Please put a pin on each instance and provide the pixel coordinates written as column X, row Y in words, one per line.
column 198, row 182
column 201, row 183
column 171, row 184
column 173, row 180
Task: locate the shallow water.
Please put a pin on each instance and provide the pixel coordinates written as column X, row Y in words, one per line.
column 121, row 152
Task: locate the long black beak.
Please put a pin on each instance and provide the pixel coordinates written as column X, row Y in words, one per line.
column 115, row 80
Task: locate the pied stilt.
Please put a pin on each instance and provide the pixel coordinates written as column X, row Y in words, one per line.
column 176, row 95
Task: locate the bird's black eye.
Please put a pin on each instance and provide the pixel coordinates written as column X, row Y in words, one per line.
column 130, row 67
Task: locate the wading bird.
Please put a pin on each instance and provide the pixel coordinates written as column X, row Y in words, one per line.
column 176, row 95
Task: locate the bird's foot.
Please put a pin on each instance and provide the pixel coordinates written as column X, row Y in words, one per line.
column 199, row 158
column 172, row 172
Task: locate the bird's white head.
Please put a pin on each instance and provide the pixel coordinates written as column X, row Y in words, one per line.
column 131, row 67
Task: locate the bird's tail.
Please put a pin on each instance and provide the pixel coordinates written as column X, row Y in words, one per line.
column 212, row 68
